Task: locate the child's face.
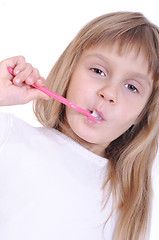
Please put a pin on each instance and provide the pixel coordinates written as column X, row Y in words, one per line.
column 116, row 86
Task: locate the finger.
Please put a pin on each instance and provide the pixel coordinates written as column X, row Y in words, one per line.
column 33, row 77
column 18, row 63
column 23, row 75
column 11, row 62
column 40, row 82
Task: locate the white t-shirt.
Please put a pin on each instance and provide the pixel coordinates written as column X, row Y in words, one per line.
column 50, row 186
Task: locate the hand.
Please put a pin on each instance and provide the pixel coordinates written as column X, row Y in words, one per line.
column 16, row 89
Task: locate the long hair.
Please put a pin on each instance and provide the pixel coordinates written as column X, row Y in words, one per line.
column 131, row 155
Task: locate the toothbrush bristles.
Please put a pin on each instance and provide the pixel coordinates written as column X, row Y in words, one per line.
column 98, row 117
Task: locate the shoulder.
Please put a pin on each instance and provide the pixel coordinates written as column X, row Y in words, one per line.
column 10, row 126
column 6, row 122
column 18, row 137
column 16, row 133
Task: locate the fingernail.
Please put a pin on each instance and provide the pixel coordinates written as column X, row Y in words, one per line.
column 30, row 81
column 17, row 71
column 39, row 83
column 17, row 81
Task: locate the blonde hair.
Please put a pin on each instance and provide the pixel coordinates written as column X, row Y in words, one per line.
column 131, row 155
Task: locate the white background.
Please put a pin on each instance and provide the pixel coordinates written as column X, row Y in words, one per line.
column 41, row 29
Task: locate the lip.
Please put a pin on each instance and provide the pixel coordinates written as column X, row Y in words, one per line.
column 92, row 122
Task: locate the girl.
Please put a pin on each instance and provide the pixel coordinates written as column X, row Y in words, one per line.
column 76, row 179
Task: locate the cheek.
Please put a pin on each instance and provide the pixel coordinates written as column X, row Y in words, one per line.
column 130, row 120
column 80, row 83
column 77, row 92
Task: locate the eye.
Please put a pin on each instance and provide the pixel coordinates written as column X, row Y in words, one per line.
column 131, row 87
column 98, row 71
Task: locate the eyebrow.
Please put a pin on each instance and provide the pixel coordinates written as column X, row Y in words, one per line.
column 142, row 77
column 134, row 74
column 103, row 58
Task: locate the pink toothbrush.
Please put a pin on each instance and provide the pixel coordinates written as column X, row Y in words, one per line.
column 62, row 99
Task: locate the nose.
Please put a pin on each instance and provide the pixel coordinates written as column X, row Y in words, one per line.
column 108, row 93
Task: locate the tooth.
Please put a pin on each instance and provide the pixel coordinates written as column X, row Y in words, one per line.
column 94, row 113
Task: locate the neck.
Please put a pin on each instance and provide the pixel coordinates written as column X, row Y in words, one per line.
column 89, row 146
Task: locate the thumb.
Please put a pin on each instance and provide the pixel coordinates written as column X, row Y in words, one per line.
column 34, row 94
column 4, row 74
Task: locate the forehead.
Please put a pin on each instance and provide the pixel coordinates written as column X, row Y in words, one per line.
column 114, row 50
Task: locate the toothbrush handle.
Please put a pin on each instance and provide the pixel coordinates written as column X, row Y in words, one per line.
column 59, row 98
column 63, row 100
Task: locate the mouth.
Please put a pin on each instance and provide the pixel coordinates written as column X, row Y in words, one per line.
column 95, row 114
